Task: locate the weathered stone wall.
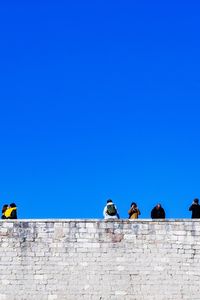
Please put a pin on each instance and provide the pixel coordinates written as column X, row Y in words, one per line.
column 93, row 259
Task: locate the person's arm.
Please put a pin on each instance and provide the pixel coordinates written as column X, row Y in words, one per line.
column 130, row 211
column 152, row 214
column 191, row 207
column 163, row 213
column 13, row 214
column 105, row 211
column 117, row 214
column 139, row 213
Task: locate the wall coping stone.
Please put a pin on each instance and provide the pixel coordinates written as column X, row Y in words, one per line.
column 127, row 221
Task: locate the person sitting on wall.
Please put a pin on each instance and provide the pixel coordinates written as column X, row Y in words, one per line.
column 110, row 210
column 195, row 209
column 4, row 208
column 11, row 212
column 133, row 212
column 158, row 212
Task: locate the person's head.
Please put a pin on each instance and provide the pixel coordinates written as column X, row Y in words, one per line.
column 133, row 204
column 158, row 206
column 4, row 208
column 196, row 201
column 109, row 201
column 12, row 205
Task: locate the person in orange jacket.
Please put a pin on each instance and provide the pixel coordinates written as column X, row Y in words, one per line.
column 134, row 211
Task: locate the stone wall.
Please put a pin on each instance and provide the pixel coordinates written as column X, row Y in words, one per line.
column 96, row 259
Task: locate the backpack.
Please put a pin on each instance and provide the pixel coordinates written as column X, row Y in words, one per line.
column 111, row 210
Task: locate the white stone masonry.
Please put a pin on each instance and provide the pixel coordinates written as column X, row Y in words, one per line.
column 100, row 260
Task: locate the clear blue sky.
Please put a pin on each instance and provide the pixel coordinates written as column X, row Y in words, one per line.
column 98, row 100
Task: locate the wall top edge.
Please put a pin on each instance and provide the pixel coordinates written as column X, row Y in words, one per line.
column 99, row 220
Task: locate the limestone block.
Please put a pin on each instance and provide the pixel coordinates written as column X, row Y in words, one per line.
column 98, row 259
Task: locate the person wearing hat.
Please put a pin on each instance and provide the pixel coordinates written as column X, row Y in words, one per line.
column 195, row 209
column 110, row 210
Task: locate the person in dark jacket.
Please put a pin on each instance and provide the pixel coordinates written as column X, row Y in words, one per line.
column 13, row 214
column 158, row 212
column 195, row 209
